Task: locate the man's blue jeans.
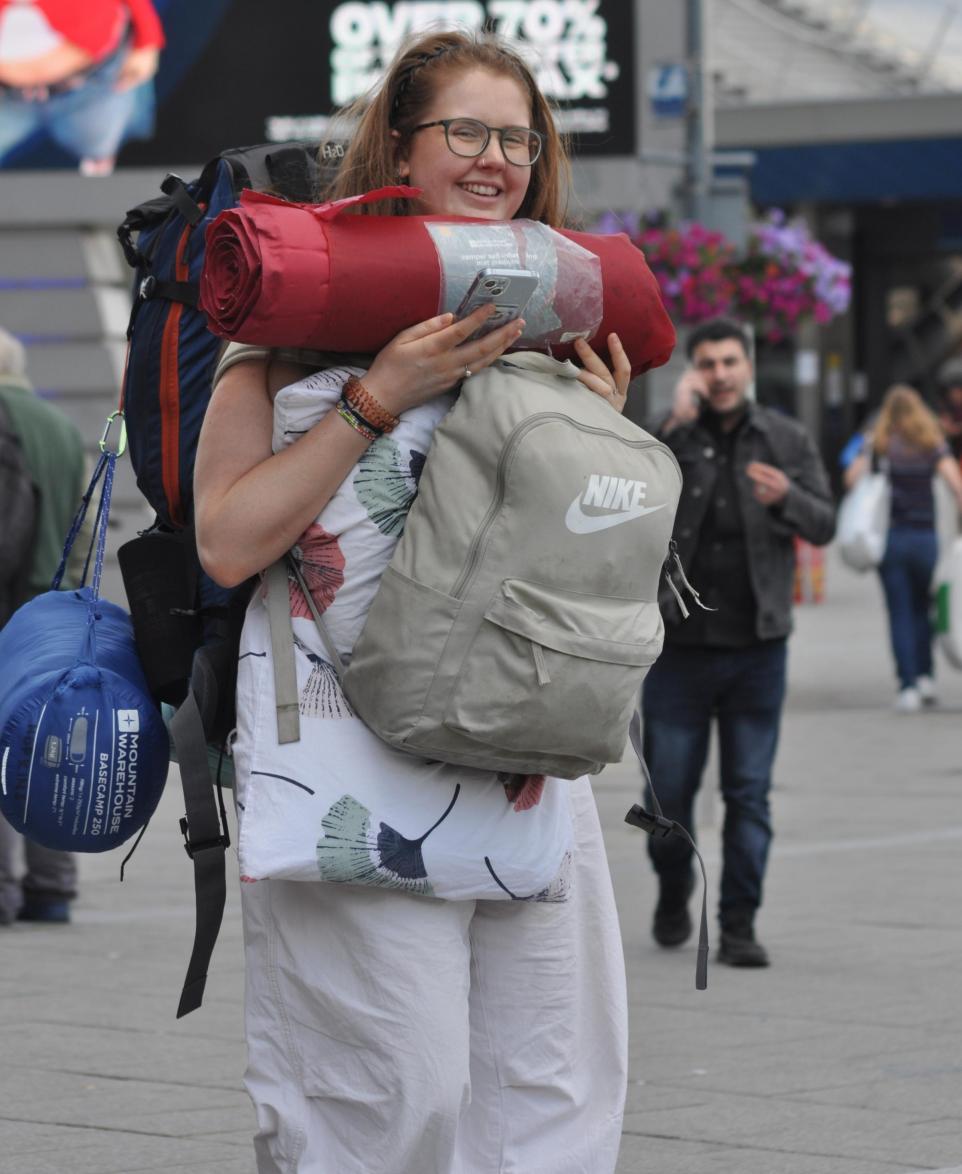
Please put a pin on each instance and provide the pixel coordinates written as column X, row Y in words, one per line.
column 743, row 689
column 906, row 574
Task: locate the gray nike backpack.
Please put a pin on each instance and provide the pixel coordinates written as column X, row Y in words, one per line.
column 519, row 614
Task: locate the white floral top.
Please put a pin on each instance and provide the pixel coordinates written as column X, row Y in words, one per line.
column 340, row 805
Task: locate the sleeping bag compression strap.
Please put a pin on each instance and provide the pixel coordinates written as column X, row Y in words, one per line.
column 658, row 826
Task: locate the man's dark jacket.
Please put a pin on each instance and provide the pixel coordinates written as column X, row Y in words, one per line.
column 808, row 511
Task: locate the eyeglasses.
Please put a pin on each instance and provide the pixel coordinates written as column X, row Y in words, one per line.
column 469, row 138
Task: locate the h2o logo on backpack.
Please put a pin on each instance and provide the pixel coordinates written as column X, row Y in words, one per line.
column 620, row 498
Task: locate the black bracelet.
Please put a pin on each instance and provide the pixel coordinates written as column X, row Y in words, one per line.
column 353, row 417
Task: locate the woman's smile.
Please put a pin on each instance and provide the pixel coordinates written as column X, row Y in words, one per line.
column 485, row 185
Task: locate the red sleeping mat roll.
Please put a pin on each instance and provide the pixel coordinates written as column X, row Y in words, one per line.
column 303, row 275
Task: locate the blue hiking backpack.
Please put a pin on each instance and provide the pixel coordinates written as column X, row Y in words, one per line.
column 187, row 628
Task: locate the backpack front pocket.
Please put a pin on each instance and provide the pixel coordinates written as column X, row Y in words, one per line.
column 555, row 671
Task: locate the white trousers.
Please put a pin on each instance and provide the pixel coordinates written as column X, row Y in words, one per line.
column 396, row 1034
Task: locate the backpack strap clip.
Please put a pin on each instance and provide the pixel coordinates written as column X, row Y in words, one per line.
column 657, row 826
column 172, row 185
column 192, row 846
column 174, row 291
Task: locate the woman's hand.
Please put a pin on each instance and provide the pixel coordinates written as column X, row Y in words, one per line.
column 428, row 359
column 610, row 385
column 138, row 66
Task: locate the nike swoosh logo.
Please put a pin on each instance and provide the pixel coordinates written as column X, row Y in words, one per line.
column 578, row 522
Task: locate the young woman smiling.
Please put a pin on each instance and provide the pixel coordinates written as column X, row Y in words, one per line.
column 393, row 1033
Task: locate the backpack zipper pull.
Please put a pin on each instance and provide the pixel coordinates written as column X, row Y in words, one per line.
column 666, row 571
column 674, row 557
column 539, row 665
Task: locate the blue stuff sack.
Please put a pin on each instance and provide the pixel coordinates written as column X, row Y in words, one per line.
column 83, row 747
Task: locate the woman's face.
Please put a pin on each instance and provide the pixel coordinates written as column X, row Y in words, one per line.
column 486, row 186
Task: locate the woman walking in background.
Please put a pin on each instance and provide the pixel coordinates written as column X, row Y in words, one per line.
column 909, row 445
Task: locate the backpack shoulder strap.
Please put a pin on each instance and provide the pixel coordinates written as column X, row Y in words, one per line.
column 282, row 645
column 204, row 827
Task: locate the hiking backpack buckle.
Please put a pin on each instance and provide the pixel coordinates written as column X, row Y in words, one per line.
column 192, row 847
column 657, row 826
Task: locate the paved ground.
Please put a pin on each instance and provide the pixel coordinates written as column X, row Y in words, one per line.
column 844, row 1058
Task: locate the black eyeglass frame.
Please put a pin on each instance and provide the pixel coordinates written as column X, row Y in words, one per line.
column 500, row 131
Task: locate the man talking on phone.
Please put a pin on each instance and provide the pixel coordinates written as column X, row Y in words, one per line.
column 752, row 481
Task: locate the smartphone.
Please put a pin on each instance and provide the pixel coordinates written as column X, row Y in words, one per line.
column 508, row 290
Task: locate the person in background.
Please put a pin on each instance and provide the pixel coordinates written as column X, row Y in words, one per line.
column 909, row 444
column 950, row 408
column 752, row 481
column 72, row 70
column 54, row 455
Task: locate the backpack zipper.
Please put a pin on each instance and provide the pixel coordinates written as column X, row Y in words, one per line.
column 478, row 543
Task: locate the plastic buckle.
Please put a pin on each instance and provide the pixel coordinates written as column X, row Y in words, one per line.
column 657, row 826
column 147, row 287
column 191, row 847
column 171, row 183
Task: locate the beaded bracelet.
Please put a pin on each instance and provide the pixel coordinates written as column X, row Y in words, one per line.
column 367, row 407
column 361, row 417
column 357, row 422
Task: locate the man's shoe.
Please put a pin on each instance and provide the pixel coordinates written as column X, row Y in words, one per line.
column 739, row 948
column 55, row 912
column 672, row 924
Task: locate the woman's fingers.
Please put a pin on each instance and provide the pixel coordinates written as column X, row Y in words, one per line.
column 455, row 331
column 621, row 367
column 424, row 329
column 482, row 352
column 591, row 360
column 619, row 374
column 611, row 384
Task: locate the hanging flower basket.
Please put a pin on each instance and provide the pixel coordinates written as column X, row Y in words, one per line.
column 784, row 278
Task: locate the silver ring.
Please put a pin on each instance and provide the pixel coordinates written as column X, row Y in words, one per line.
column 467, row 372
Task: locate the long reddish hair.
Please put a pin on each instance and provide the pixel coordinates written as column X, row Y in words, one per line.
column 408, row 88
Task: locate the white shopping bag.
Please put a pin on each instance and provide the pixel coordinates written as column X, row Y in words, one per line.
column 863, row 522
column 948, row 603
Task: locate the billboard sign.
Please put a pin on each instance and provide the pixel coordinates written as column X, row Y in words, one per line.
column 241, row 71
column 581, row 51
